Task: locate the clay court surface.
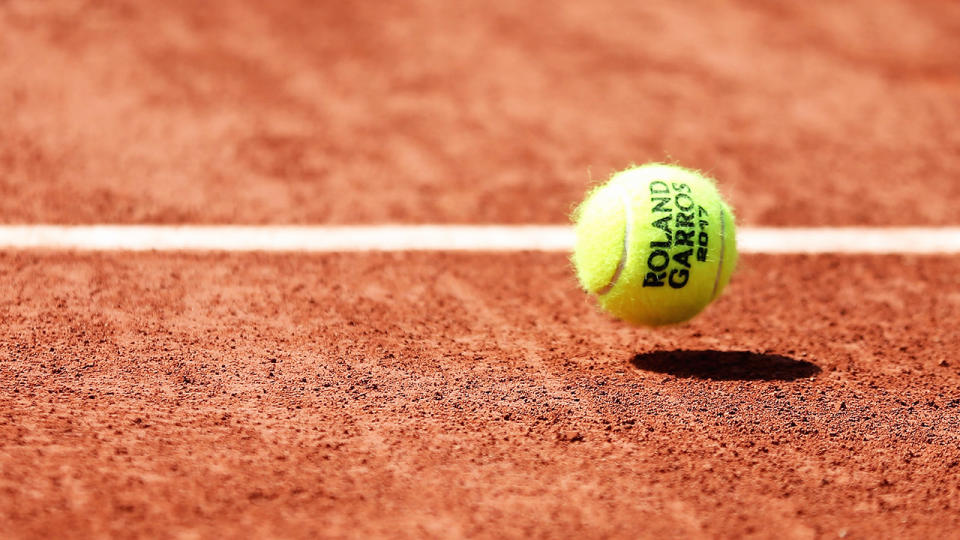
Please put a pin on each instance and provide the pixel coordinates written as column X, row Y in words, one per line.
column 453, row 394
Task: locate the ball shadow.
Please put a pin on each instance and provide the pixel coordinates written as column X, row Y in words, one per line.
column 725, row 365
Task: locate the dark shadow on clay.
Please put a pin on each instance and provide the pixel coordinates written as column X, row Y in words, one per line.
column 725, row 365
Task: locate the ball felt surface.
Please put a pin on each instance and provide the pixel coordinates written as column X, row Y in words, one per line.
column 655, row 244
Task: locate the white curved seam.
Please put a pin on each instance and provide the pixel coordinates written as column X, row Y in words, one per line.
column 627, row 227
column 723, row 245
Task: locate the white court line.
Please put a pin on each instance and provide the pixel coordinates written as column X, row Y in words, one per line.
column 446, row 238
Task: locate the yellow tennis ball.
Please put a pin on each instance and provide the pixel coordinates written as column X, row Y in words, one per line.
column 655, row 244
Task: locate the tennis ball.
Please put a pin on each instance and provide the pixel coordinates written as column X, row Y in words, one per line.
column 655, row 244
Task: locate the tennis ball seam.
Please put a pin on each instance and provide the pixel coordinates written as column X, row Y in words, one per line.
column 723, row 248
column 627, row 227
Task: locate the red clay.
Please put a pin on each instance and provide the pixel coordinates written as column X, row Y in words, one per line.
column 451, row 395
column 472, row 395
column 330, row 112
